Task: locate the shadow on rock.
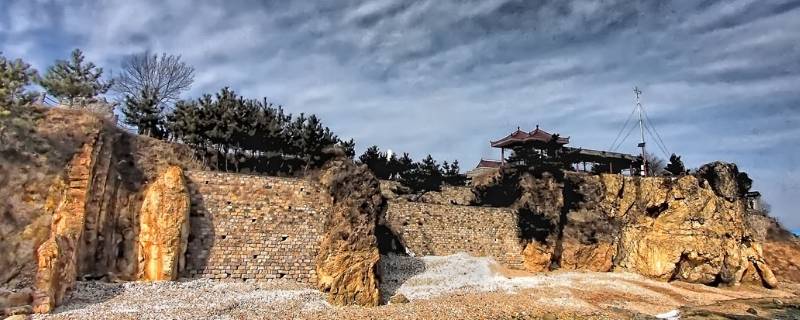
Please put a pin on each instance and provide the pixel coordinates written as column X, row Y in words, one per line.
column 395, row 270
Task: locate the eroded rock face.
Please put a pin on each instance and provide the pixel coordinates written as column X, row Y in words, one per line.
column 164, row 227
column 672, row 229
column 686, row 232
column 57, row 257
column 74, row 186
column 347, row 260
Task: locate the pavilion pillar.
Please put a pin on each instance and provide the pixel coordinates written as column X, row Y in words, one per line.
column 610, row 167
column 502, row 155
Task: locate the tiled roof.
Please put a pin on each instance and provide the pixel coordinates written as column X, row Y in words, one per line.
column 522, row 136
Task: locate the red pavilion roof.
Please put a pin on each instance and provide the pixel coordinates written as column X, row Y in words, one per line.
column 520, row 136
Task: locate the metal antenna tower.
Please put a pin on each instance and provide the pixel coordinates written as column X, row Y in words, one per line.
column 641, row 129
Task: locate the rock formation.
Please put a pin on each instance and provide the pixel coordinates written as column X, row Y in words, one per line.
column 57, row 256
column 32, row 156
column 164, row 227
column 75, row 192
column 347, row 260
column 781, row 248
column 687, row 228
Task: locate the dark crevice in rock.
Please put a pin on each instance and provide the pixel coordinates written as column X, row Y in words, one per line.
column 655, row 211
column 572, row 199
column 388, row 241
column 533, row 226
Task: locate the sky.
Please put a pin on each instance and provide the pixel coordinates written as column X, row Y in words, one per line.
column 720, row 79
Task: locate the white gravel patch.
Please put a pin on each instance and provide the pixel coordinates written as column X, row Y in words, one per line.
column 431, row 276
column 415, row 277
column 194, row 299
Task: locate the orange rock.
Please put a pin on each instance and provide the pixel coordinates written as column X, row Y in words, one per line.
column 164, row 227
column 56, row 257
column 536, row 257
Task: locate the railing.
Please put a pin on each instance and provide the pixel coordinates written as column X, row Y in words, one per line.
column 49, row 101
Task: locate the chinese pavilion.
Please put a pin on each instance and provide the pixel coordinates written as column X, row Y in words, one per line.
column 541, row 140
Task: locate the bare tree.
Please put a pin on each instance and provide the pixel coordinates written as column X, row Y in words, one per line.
column 655, row 165
column 161, row 77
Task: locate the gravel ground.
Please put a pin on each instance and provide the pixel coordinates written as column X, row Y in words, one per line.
column 452, row 287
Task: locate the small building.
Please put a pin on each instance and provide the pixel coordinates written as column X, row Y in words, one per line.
column 484, row 167
column 537, row 139
column 544, row 143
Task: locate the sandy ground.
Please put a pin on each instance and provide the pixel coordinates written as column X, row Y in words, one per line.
column 452, row 287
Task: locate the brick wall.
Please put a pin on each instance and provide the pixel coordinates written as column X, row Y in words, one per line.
column 259, row 228
column 434, row 229
column 253, row 228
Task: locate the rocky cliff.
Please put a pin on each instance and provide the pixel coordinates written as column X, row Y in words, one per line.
column 75, row 185
column 685, row 228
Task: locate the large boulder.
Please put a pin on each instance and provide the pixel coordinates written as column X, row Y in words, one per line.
column 164, row 227
column 348, row 254
column 685, row 230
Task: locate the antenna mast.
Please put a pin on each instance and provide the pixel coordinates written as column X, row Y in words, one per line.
column 641, row 129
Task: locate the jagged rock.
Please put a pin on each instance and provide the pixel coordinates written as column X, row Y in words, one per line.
column 56, row 257
column 537, row 257
column 164, row 227
column 724, row 179
column 398, row 298
column 671, row 229
column 591, row 257
column 681, row 230
column 348, row 255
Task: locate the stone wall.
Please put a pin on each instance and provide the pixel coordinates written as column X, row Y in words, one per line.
column 254, row 228
column 458, row 195
column 434, row 229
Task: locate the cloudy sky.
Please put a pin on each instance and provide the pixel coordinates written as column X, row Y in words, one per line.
column 721, row 79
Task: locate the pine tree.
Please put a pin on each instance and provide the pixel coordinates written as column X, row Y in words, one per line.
column 425, row 176
column 315, row 139
column 405, row 164
column 452, row 174
column 143, row 112
column 295, row 142
column 348, row 147
column 74, row 79
column 376, row 161
column 675, row 165
column 184, row 123
column 15, row 75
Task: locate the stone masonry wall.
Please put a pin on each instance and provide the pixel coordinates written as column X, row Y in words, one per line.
column 434, row 229
column 254, row 228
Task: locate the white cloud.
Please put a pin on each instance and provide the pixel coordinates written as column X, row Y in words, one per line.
column 444, row 77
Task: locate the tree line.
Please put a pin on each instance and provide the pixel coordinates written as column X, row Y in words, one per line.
column 227, row 131
column 418, row 177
